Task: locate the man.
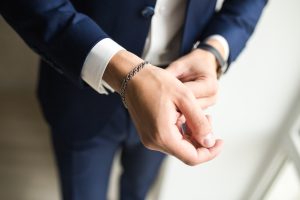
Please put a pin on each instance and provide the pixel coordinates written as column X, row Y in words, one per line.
column 82, row 45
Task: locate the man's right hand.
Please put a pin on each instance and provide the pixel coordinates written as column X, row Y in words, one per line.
column 156, row 99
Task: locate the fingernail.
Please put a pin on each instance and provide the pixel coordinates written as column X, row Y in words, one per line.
column 209, row 140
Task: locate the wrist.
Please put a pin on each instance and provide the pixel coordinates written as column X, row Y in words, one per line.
column 118, row 68
column 128, row 77
column 213, row 46
column 217, row 45
column 147, row 81
column 208, row 58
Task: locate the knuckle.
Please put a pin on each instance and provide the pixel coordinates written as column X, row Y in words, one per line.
column 213, row 87
column 202, row 130
column 209, row 102
column 213, row 100
column 186, row 96
column 183, row 99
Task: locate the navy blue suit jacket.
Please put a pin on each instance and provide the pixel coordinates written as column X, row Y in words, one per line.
column 63, row 32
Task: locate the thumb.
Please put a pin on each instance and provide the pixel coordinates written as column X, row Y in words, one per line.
column 196, row 120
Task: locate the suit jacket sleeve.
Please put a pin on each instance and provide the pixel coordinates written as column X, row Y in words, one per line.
column 55, row 30
column 235, row 22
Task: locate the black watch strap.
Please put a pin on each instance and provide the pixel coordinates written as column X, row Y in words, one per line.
column 222, row 68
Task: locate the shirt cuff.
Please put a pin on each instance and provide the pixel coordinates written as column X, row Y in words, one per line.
column 223, row 42
column 96, row 63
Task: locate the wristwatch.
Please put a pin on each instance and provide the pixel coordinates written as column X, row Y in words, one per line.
column 222, row 64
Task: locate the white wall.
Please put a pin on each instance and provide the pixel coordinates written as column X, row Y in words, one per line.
column 255, row 98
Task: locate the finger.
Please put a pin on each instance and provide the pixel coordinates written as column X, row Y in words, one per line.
column 195, row 119
column 209, row 141
column 180, row 123
column 186, row 152
column 211, row 152
column 209, row 118
column 204, row 103
column 203, row 88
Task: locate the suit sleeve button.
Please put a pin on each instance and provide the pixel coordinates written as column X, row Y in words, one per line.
column 148, row 12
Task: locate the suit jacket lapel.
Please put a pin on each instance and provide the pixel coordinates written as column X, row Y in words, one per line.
column 198, row 14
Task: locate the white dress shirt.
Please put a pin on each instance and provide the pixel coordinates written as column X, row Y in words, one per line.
column 161, row 46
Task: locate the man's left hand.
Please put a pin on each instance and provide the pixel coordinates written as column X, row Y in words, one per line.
column 198, row 71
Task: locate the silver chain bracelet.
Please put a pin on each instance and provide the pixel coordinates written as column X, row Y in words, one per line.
column 128, row 78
